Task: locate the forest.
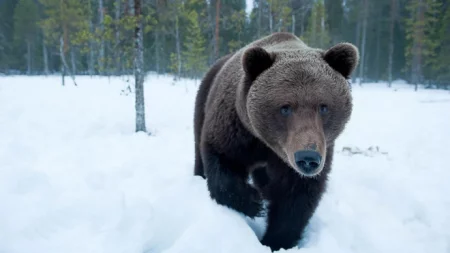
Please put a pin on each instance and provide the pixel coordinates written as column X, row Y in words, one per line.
column 397, row 39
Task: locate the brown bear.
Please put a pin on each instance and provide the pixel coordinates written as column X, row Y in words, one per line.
column 271, row 112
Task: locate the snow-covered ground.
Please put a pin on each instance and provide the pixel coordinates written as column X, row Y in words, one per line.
column 74, row 177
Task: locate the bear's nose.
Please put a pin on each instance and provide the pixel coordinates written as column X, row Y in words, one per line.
column 307, row 161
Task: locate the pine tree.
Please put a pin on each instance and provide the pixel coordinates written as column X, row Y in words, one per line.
column 101, row 28
column 227, row 32
column 317, row 32
column 65, row 26
column 8, row 56
column 25, row 27
column 363, row 40
column 194, row 53
column 120, row 31
column 300, row 11
column 336, row 19
column 392, row 21
column 420, row 28
column 416, row 50
column 280, row 15
column 176, row 11
column 441, row 63
column 260, row 19
column 217, row 31
column 237, row 21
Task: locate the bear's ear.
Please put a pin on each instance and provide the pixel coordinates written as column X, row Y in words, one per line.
column 255, row 60
column 342, row 57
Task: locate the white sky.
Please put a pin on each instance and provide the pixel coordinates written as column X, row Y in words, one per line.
column 249, row 6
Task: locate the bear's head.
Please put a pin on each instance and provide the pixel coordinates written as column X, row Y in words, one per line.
column 297, row 101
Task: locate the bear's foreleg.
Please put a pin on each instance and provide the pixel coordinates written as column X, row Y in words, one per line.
column 227, row 184
column 292, row 202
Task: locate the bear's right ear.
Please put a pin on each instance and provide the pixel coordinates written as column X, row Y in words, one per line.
column 255, row 60
column 342, row 57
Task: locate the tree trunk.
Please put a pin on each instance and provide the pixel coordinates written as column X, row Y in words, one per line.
column 416, row 71
column 101, row 56
column 91, row 59
column 138, row 69
column 157, row 51
column 322, row 31
column 163, row 63
column 302, row 24
column 363, row 42
column 217, row 29
column 358, row 39
column 314, row 31
column 358, row 44
column 293, row 24
column 117, row 51
column 260, row 6
column 45, row 57
column 73, row 60
column 63, row 74
column 280, row 24
column 177, row 31
column 211, row 31
column 377, row 51
column 391, row 40
column 64, row 67
column 270, row 17
column 28, row 58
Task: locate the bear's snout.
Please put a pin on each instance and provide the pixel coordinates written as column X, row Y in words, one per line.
column 307, row 161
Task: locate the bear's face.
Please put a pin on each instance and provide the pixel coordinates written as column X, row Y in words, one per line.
column 299, row 104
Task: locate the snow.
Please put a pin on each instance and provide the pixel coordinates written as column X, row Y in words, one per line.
column 74, row 177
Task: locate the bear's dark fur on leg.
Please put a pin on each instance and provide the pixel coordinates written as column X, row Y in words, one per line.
column 260, row 178
column 227, row 184
column 199, row 113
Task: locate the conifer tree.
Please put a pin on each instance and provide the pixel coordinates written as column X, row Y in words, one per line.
column 317, row 32
column 194, row 52
column 441, row 62
column 335, row 19
column 8, row 56
column 237, row 21
column 420, row 28
column 25, row 27
column 392, row 21
column 406, row 39
column 280, row 15
column 64, row 26
column 176, row 10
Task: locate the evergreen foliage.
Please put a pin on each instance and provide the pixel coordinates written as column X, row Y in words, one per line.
column 402, row 39
column 317, row 32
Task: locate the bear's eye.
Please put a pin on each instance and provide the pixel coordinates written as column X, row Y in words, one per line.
column 323, row 109
column 286, row 110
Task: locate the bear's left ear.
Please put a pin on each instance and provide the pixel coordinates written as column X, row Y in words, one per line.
column 342, row 57
column 255, row 60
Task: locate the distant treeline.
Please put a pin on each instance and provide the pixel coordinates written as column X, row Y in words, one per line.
column 397, row 39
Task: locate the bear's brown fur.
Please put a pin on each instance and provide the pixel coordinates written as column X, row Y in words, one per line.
column 273, row 110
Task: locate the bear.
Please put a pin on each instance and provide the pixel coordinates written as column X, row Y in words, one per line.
column 265, row 122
